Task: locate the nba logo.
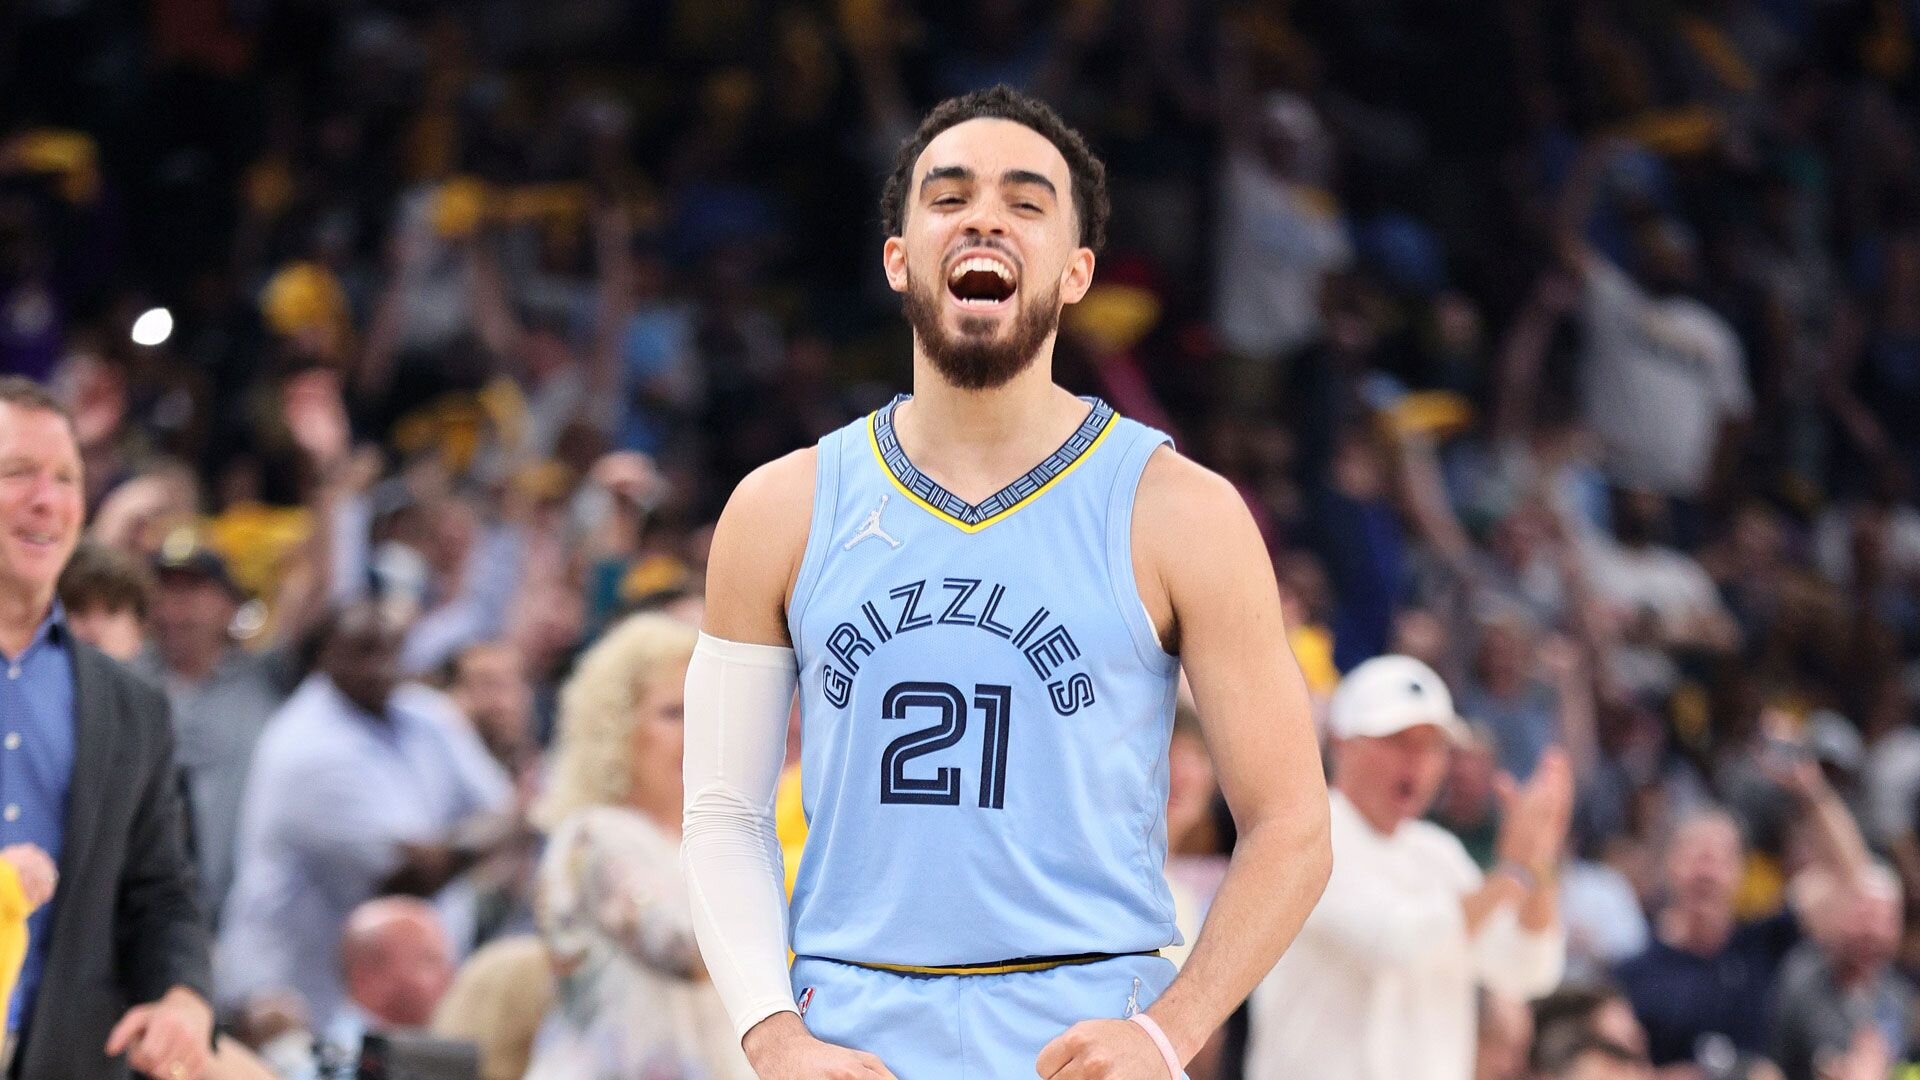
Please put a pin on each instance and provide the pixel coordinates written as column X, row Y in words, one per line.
column 806, row 999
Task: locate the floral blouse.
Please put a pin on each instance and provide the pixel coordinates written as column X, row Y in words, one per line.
column 634, row 1002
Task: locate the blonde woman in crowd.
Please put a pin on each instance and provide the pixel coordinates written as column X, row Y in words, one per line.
column 633, row 999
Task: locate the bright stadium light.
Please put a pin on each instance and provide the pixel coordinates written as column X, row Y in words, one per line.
column 154, row 326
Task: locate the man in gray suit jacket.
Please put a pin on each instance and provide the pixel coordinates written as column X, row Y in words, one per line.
column 117, row 964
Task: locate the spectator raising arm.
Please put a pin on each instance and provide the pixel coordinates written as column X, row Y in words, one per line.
column 494, row 319
column 1856, row 419
column 406, row 261
column 1576, row 206
column 1423, row 494
column 1523, row 354
column 1522, row 954
column 613, row 308
column 315, row 412
column 1380, row 927
column 1836, row 841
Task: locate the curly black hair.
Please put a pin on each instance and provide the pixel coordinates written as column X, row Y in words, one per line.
column 1088, row 174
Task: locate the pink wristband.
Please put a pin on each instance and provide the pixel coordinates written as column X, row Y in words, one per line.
column 1159, row 1038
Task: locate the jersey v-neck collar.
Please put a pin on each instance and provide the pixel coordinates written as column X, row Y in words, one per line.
column 972, row 517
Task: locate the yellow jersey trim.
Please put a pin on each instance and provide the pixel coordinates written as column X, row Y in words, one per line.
column 873, row 443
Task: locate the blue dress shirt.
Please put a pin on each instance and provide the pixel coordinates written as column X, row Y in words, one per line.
column 36, row 767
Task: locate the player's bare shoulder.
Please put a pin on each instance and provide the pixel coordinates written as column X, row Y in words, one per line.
column 1193, row 538
column 1182, row 507
column 757, row 548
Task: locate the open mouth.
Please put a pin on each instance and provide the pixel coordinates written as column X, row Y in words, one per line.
column 981, row 282
column 41, row 540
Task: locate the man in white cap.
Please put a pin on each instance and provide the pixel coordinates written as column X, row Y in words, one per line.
column 1380, row 984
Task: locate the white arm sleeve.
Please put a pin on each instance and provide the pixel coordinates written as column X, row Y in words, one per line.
column 738, row 699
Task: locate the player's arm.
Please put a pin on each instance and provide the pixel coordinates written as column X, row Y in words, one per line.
column 756, row 551
column 1208, row 584
column 740, row 687
column 1201, row 560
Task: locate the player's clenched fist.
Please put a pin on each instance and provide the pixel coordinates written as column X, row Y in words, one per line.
column 781, row 1048
column 1102, row 1050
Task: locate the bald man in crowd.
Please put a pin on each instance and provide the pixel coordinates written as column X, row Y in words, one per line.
column 1840, row 987
column 397, row 962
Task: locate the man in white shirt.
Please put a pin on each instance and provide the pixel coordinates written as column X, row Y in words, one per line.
column 1380, row 984
column 1281, row 234
column 1663, row 378
column 362, row 786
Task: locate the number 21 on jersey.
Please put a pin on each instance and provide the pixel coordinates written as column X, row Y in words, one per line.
column 949, row 706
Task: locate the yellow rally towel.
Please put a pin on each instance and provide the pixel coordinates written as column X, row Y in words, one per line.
column 790, row 825
column 14, row 910
column 1313, row 650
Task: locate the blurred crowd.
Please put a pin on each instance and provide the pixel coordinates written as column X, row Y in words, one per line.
column 1573, row 349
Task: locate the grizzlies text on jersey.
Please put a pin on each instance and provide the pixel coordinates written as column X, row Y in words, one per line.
column 986, row 709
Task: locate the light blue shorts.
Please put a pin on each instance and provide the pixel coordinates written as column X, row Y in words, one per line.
column 968, row 1027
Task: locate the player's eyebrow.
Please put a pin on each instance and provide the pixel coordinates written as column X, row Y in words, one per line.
column 1011, row 176
column 945, row 172
column 1027, row 176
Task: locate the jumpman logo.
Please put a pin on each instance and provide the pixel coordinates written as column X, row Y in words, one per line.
column 871, row 528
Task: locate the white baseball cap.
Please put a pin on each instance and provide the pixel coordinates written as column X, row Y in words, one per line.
column 1389, row 694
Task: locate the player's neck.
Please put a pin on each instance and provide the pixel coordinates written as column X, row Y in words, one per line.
column 946, row 413
column 975, row 441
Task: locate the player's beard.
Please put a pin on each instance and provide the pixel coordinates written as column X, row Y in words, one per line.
column 973, row 359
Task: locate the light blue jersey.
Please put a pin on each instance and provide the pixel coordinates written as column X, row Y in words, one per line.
column 986, row 711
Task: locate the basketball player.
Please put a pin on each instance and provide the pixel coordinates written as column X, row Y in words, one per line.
column 985, row 592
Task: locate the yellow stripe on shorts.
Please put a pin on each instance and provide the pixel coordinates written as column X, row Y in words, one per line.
column 1008, row 967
